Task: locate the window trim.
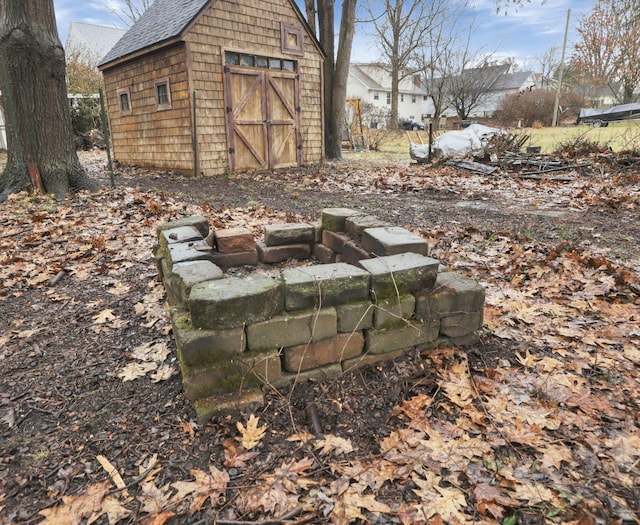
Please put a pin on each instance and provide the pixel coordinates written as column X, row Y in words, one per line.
column 159, row 82
column 124, row 91
column 285, row 31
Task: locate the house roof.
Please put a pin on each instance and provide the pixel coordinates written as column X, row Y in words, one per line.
column 377, row 77
column 513, row 81
column 165, row 20
column 91, row 41
column 357, row 72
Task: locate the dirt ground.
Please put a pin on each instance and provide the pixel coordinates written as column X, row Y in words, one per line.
column 63, row 402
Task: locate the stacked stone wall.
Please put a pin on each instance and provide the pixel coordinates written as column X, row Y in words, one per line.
column 361, row 291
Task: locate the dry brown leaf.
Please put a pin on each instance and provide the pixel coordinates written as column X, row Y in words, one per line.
column 76, row 508
column 236, row 456
column 154, row 499
column 105, row 316
column 113, row 473
column 206, row 486
column 114, row 510
column 252, row 433
column 135, row 370
column 332, row 443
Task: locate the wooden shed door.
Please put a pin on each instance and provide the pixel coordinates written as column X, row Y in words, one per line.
column 263, row 125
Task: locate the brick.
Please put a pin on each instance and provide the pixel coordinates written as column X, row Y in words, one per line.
column 232, row 302
column 452, row 294
column 276, row 254
column 317, row 231
column 353, row 254
column 185, row 275
column 355, row 316
column 229, row 260
column 292, row 329
column 324, row 254
column 324, row 285
column 334, row 219
column 400, row 274
column 234, row 240
column 334, row 240
column 392, row 240
column 197, row 221
column 289, row 233
column 370, row 359
column 394, row 311
column 388, row 340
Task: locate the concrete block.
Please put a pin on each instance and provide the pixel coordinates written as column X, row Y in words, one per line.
column 185, row 275
column 317, row 231
column 394, row 311
column 392, row 240
column 334, row 219
column 400, row 274
column 320, row 353
column 235, row 301
column 288, row 233
column 388, row 340
column 234, row 240
column 324, row 285
column 179, row 234
column 353, row 254
column 188, row 251
column 452, row 294
column 276, row 254
column 355, row 316
column 356, row 224
column 230, row 260
column 461, row 325
column 292, row 329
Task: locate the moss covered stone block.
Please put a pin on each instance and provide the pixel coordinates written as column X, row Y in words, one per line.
column 452, row 294
column 394, row 311
column 199, row 222
column 334, row 219
column 355, row 316
column 392, row 240
column 289, row 233
column 400, row 274
column 187, row 274
column 410, row 335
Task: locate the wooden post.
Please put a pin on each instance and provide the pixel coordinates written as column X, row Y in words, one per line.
column 196, row 167
column 105, row 132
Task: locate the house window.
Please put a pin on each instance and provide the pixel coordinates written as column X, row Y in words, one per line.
column 401, row 97
column 424, row 97
column 163, row 94
column 413, row 99
column 124, row 99
column 376, row 96
column 291, row 39
column 388, row 98
column 259, row 62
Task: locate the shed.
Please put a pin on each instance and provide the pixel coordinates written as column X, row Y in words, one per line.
column 210, row 86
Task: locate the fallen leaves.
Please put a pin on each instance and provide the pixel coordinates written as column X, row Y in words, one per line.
column 251, row 434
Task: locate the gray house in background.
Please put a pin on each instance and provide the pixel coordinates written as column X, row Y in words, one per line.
column 91, row 42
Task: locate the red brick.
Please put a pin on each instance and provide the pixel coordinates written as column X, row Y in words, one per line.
column 227, row 260
column 276, row 254
column 335, row 241
column 234, row 240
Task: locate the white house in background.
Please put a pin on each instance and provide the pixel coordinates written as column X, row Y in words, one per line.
column 3, row 131
column 371, row 83
column 90, row 41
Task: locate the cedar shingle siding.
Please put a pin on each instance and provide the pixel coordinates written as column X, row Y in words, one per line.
column 192, row 59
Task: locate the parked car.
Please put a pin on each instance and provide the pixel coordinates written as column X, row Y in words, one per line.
column 410, row 123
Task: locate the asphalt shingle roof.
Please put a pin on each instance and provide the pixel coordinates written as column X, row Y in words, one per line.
column 92, row 41
column 165, row 19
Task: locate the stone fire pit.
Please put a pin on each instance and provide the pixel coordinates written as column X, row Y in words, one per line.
column 362, row 291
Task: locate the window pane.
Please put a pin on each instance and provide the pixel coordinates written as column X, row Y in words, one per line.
column 232, row 59
column 124, row 102
column 288, row 65
column 275, row 63
column 247, row 60
column 262, row 62
column 163, row 94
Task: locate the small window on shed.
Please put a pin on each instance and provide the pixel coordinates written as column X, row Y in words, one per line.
column 275, row 63
column 262, row 62
column 291, row 39
column 124, row 99
column 163, row 93
column 288, row 65
column 232, row 59
column 247, row 60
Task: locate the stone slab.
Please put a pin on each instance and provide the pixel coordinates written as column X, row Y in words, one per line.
column 334, row 219
column 179, row 234
column 289, row 233
column 292, row 329
column 395, row 275
column 324, row 285
column 461, row 325
column 355, row 316
column 276, row 254
column 197, row 221
column 230, row 260
column 235, row 301
column 452, row 294
column 324, row 254
column 334, row 240
column 388, row 340
column 353, row 254
column 392, row 240
column 188, row 251
column 319, row 353
column 186, row 274
column 394, row 311
column 234, row 240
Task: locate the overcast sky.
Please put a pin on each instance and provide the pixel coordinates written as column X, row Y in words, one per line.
column 524, row 33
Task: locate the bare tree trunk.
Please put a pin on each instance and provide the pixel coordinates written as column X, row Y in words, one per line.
column 39, row 132
column 310, row 8
column 336, row 71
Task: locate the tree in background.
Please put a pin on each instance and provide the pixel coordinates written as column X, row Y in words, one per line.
column 534, row 108
column 401, row 27
column 608, row 51
column 129, row 10
column 40, row 153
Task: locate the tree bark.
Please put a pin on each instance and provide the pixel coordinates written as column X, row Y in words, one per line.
column 39, row 133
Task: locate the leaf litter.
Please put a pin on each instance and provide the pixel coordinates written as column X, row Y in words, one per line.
column 536, row 423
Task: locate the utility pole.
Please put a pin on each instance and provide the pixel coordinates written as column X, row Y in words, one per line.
column 554, row 120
